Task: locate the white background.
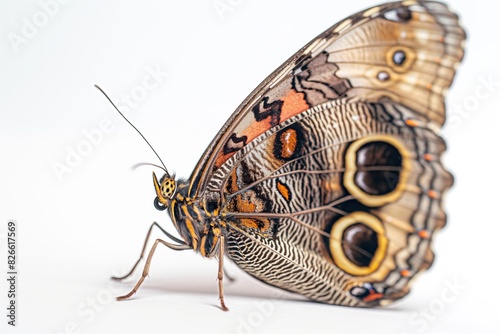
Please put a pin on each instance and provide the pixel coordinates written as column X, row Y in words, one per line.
column 79, row 228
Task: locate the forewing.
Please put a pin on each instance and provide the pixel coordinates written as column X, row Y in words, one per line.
column 405, row 52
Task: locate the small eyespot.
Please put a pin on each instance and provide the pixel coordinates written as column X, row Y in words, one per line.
column 383, row 76
column 399, row 57
column 399, row 15
column 360, row 292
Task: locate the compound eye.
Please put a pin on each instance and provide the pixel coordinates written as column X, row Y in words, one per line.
column 165, row 189
column 168, row 188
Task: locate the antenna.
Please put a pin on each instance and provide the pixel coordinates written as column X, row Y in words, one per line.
column 139, row 164
column 132, row 125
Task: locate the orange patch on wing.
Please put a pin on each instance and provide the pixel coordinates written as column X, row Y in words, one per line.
column 428, row 157
column 232, row 183
column 372, row 297
column 288, row 140
column 261, row 224
column 424, row 234
column 244, row 205
column 293, row 104
column 221, row 158
column 255, row 129
column 411, row 122
column 432, row 194
column 405, row 273
column 283, row 190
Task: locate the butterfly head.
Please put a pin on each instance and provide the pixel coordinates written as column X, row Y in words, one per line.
column 165, row 190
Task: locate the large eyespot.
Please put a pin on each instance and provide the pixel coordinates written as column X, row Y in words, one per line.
column 376, row 170
column 358, row 244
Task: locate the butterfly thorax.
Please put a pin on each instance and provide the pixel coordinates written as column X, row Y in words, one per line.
column 199, row 225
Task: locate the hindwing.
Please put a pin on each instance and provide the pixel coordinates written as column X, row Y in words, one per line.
column 338, row 203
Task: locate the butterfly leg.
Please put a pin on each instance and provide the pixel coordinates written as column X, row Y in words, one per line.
column 144, row 249
column 220, row 274
column 145, row 271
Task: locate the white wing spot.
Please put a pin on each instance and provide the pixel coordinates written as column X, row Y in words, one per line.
column 372, row 12
column 343, row 25
column 422, row 36
column 383, row 76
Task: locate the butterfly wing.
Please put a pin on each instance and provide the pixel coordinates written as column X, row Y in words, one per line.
column 329, row 174
column 406, row 51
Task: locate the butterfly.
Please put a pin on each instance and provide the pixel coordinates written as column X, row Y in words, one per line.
column 327, row 180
